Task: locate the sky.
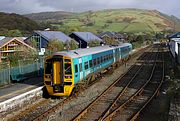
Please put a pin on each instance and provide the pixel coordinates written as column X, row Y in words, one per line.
column 170, row 7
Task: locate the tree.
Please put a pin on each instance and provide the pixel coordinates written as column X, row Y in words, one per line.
column 22, row 53
column 73, row 44
column 140, row 38
column 14, row 33
column 33, row 43
column 93, row 43
column 130, row 37
column 54, row 46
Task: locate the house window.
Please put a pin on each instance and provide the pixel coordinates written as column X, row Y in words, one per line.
column 35, row 40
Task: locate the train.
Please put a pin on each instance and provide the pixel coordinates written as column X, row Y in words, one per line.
column 64, row 70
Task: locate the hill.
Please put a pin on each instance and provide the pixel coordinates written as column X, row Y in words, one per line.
column 49, row 16
column 119, row 20
column 16, row 22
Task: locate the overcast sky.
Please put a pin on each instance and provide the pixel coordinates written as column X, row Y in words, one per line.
column 170, row 7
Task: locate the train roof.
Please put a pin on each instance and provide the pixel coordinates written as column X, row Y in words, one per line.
column 88, row 51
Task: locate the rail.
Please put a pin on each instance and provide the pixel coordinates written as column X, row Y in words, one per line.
column 83, row 112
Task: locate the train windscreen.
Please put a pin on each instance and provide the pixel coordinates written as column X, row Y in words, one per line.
column 48, row 67
column 68, row 68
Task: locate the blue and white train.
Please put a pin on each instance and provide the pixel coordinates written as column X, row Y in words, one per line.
column 63, row 70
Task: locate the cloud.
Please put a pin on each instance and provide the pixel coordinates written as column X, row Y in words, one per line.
column 24, row 6
column 32, row 6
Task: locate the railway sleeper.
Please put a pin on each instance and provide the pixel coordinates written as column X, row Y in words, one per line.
column 154, row 82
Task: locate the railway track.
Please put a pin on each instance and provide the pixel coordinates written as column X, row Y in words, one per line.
column 131, row 108
column 44, row 108
column 106, row 102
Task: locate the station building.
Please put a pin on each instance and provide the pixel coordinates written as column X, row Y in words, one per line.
column 10, row 45
column 42, row 38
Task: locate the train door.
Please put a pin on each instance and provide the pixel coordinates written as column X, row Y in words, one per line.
column 117, row 54
column 80, row 69
column 57, row 72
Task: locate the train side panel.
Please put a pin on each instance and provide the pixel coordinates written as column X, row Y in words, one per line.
column 125, row 51
column 87, row 65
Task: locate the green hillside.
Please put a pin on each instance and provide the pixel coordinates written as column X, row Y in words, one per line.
column 49, row 16
column 119, row 20
column 16, row 23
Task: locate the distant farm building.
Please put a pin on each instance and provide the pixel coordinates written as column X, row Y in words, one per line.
column 42, row 38
column 86, row 39
column 111, row 37
column 10, row 45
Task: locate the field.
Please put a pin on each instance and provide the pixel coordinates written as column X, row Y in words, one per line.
column 118, row 20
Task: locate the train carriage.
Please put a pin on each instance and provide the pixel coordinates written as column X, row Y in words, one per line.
column 63, row 70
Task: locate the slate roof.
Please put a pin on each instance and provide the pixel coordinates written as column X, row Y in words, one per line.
column 2, row 37
column 111, row 34
column 8, row 39
column 176, row 35
column 50, row 35
column 87, row 36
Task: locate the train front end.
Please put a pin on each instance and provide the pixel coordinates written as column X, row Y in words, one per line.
column 58, row 75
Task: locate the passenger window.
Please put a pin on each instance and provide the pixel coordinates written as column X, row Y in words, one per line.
column 80, row 67
column 90, row 63
column 76, row 68
column 111, row 55
column 101, row 59
column 86, row 65
column 98, row 60
column 104, row 58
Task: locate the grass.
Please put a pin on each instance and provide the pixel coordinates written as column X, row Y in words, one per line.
column 142, row 20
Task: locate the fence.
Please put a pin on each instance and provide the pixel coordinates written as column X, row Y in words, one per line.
column 24, row 69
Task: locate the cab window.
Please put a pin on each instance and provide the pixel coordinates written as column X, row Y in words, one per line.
column 48, row 67
column 67, row 68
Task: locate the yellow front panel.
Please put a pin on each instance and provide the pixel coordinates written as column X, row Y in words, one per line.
column 56, row 72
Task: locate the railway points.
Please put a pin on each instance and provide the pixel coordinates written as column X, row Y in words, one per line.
column 69, row 108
